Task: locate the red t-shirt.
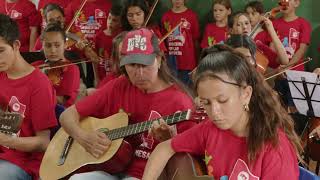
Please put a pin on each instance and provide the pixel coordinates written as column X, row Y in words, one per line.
column 121, row 94
column 213, row 35
column 104, row 48
column 69, row 84
column 181, row 42
column 226, row 154
column 24, row 12
column 92, row 18
column 292, row 34
column 31, row 96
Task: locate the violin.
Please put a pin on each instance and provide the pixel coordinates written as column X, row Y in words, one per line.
column 262, row 61
column 55, row 70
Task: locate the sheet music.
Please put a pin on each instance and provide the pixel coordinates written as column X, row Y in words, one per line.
column 302, row 105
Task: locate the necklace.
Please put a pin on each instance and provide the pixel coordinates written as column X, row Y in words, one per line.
column 6, row 7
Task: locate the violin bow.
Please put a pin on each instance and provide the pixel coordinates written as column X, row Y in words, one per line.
column 272, row 75
column 150, row 13
column 46, row 67
column 77, row 14
column 170, row 32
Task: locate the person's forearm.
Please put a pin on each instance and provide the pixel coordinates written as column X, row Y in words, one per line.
column 69, row 121
column 158, row 160
column 28, row 144
column 33, row 37
column 278, row 47
column 299, row 54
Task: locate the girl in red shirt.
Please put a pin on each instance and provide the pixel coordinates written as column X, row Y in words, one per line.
column 245, row 134
column 217, row 32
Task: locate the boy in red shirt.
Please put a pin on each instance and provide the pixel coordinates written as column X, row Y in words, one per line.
column 294, row 32
column 27, row 91
column 27, row 17
column 183, row 42
column 104, row 42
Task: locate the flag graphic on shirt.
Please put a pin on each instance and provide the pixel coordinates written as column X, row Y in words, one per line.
column 241, row 172
column 16, row 106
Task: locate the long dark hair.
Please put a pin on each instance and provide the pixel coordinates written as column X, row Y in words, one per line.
column 130, row 3
column 266, row 115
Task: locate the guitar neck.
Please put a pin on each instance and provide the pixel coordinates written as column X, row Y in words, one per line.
column 144, row 126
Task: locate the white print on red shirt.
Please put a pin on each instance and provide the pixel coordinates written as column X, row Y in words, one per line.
column 147, row 140
column 241, row 172
column 178, row 38
column 16, row 106
column 15, row 14
column 90, row 25
column 290, row 44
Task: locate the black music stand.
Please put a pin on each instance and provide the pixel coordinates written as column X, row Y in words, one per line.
column 305, row 92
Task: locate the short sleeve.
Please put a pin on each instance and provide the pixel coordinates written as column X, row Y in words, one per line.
column 43, row 106
column 305, row 32
column 204, row 41
column 192, row 140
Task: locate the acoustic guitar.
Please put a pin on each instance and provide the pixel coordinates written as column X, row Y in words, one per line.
column 183, row 166
column 64, row 156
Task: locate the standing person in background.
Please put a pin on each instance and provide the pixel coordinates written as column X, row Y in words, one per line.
column 52, row 13
column 294, row 33
column 90, row 20
column 27, row 91
column 183, row 43
column 28, row 19
column 104, row 43
column 217, row 32
column 133, row 16
column 245, row 136
column 43, row 3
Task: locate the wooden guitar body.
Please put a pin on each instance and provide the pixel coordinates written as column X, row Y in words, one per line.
column 64, row 156
column 78, row 160
column 183, row 166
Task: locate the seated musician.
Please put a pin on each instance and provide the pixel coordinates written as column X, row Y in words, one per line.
column 65, row 76
column 239, row 23
column 146, row 91
column 246, row 133
column 27, row 91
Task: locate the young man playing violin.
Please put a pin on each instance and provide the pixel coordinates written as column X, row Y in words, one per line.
column 64, row 75
column 27, row 91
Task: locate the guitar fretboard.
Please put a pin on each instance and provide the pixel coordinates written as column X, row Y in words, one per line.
column 144, row 126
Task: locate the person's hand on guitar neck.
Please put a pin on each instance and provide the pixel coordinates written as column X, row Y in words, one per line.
column 161, row 131
column 96, row 143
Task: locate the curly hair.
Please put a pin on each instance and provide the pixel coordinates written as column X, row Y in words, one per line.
column 266, row 115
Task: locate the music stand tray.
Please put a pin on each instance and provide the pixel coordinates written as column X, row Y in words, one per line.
column 305, row 92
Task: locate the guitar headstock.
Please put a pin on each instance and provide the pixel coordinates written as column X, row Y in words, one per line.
column 10, row 122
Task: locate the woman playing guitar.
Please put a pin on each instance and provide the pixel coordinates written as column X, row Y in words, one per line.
column 146, row 91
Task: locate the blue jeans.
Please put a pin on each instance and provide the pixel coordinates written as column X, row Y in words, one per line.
column 9, row 171
column 100, row 175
